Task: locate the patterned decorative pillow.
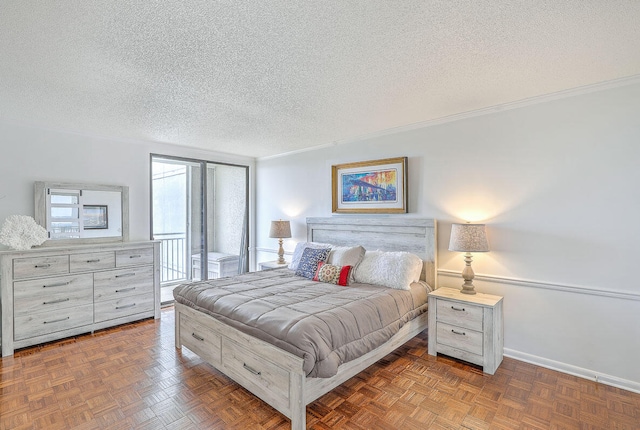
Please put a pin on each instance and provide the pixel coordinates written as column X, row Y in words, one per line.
column 309, row 261
column 332, row 274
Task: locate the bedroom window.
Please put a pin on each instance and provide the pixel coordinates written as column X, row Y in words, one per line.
column 199, row 213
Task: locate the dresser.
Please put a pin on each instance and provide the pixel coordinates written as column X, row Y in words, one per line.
column 50, row 293
column 466, row 326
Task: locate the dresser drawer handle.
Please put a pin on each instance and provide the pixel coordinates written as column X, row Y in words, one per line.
column 458, row 332
column 135, row 256
column 97, row 260
column 124, row 290
column 55, row 321
column 195, row 336
column 125, row 306
column 126, row 275
column 43, row 266
column 250, row 369
column 457, row 309
column 59, row 284
column 56, row 301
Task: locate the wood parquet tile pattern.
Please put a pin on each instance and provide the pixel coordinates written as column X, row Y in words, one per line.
column 132, row 377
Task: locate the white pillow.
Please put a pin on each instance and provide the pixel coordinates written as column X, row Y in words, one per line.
column 389, row 269
column 346, row 255
column 300, row 247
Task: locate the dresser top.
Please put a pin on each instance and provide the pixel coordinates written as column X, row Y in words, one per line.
column 456, row 294
column 72, row 249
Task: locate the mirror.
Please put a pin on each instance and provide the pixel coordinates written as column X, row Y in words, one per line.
column 82, row 213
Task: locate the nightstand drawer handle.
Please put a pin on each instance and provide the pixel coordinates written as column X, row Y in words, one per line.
column 55, row 321
column 457, row 309
column 132, row 305
column 458, row 332
column 195, row 336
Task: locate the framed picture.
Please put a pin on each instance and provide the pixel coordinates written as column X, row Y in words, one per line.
column 378, row 186
column 95, row 217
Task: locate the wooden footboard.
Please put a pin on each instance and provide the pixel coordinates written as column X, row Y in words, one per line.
column 270, row 373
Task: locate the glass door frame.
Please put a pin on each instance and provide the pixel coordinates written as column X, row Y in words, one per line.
column 204, row 166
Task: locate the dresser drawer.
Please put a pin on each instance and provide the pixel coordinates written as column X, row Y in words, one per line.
column 42, row 323
column 92, row 261
column 134, row 257
column 460, row 314
column 115, row 284
column 52, row 294
column 260, row 375
column 459, row 338
column 40, row 266
column 201, row 340
column 125, row 306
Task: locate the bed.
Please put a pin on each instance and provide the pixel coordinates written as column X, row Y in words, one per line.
column 278, row 374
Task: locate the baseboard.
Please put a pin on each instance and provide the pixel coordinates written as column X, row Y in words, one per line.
column 580, row 372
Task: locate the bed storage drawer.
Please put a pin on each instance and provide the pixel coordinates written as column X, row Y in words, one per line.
column 256, row 373
column 40, row 266
column 201, row 340
column 52, row 294
column 43, row 323
column 92, row 261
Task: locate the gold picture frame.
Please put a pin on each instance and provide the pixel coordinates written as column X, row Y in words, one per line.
column 376, row 186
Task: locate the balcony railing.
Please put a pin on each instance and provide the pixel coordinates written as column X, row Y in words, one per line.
column 173, row 256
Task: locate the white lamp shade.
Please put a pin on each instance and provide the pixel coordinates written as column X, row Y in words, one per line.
column 468, row 238
column 280, row 229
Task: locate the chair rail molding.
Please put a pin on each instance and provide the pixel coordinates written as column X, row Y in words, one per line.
column 578, row 289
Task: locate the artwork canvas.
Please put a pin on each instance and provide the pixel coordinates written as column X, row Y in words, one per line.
column 377, row 186
column 95, row 217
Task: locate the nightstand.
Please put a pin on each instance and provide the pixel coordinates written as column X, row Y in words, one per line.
column 467, row 327
column 271, row 265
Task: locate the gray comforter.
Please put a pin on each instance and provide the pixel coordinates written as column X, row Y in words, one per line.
column 324, row 324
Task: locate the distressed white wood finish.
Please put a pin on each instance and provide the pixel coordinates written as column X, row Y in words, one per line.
column 415, row 235
column 50, row 293
column 41, row 216
column 276, row 376
column 467, row 327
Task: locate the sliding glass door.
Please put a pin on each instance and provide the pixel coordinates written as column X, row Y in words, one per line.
column 199, row 213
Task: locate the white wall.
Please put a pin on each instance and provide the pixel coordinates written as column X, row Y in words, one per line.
column 558, row 185
column 29, row 154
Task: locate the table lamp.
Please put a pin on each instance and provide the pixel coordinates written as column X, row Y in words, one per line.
column 280, row 230
column 468, row 238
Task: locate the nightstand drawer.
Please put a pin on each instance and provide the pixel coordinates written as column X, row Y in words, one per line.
column 460, row 338
column 460, row 314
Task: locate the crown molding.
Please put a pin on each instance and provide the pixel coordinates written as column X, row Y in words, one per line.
column 571, row 92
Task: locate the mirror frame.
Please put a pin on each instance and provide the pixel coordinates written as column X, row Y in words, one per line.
column 41, row 215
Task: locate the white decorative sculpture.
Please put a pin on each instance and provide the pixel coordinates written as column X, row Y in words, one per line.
column 21, row 232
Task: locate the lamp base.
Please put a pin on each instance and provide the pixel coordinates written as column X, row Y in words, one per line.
column 280, row 253
column 467, row 275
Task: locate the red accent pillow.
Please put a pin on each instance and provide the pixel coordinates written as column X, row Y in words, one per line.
column 332, row 274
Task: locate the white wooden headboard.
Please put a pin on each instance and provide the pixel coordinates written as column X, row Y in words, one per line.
column 415, row 235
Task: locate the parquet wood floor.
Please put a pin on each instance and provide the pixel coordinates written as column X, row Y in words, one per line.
column 131, row 377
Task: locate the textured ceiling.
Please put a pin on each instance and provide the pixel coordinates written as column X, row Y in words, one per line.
column 259, row 77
